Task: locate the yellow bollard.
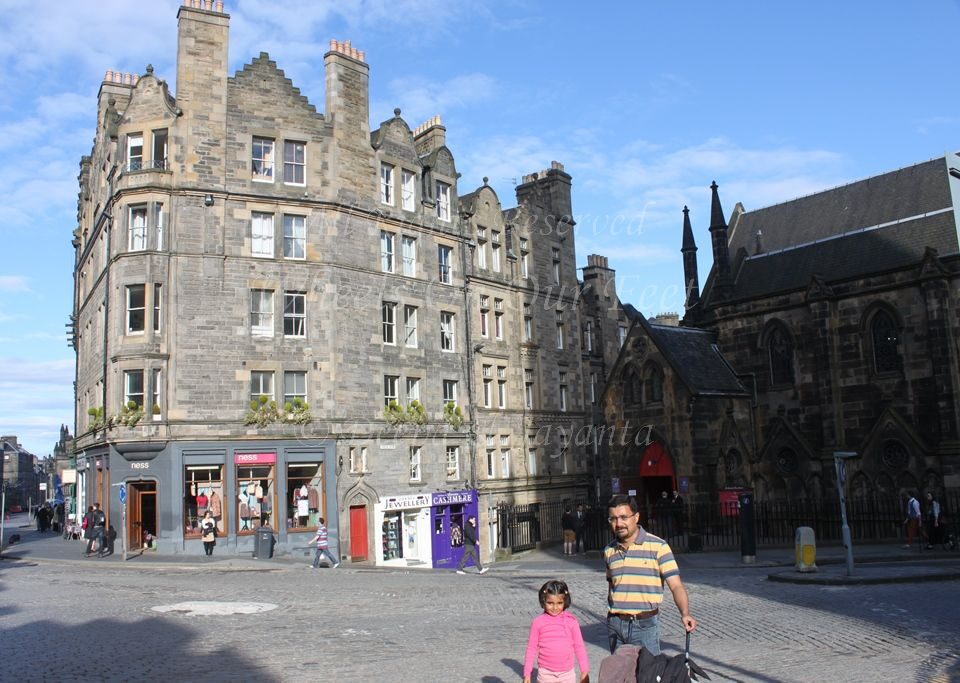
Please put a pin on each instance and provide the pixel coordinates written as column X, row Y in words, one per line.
column 805, row 550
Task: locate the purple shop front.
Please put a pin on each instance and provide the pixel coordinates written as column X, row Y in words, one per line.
column 448, row 514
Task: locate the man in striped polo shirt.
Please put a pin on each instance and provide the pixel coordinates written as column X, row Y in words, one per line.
column 638, row 563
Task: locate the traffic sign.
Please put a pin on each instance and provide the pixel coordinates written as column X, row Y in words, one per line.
column 123, row 494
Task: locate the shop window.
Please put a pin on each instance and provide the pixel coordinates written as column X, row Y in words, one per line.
column 203, row 490
column 305, row 488
column 392, row 530
column 256, row 495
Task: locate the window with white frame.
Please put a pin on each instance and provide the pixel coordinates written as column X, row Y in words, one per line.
column 386, row 184
column 408, row 190
column 450, row 392
column 294, row 237
column 559, row 315
column 564, row 453
column 563, row 391
column 446, row 331
column 556, row 265
column 294, row 314
column 413, row 389
column 261, row 312
column 487, row 385
column 484, row 323
column 358, row 459
column 453, row 462
column 621, row 335
column 408, row 247
column 387, row 244
column 415, row 463
column 294, row 387
column 491, row 457
column 134, row 151
column 495, row 251
column 261, row 384
column 158, row 217
column 261, row 235
column 294, row 162
column 137, row 240
column 155, row 395
column 501, row 387
column 482, row 248
column 524, row 259
column 445, row 263
column 532, row 462
column 261, row 157
column 157, row 306
column 159, row 159
column 588, row 336
column 527, row 323
column 528, row 387
column 390, row 383
column 133, row 387
column 498, row 325
column 593, row 388
column 443, row 201
column 389, row 319
column 505, row 463
column 410, row 326
column 136, row 308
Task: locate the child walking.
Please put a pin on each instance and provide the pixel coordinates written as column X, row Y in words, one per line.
column 554, row 639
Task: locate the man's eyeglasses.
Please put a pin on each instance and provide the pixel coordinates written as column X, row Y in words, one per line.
column 621, row 518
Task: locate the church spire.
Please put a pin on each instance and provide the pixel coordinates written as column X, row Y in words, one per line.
column 718, row 238
column 689, row 250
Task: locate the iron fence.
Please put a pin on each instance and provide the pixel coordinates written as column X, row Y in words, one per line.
column 695, row 526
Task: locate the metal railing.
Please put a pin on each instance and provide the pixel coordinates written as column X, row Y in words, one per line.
column 714, row 525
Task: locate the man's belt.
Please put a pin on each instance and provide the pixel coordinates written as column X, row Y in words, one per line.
column 639, row 616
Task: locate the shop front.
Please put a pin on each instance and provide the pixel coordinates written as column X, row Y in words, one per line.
column 277, row 485
column 404, row 524
column 449, row 512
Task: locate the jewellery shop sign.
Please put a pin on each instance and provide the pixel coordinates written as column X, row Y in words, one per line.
column 419, row 500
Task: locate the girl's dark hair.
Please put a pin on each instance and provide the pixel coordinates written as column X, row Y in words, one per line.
column 555, row 587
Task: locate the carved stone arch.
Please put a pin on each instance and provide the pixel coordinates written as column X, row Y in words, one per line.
column 815, row 487
column 860, row 486
column 881, row 336
column 932, row 482
column 730, row 470
column 777, row 343
column 886, row 486
column 761, row 489
column 906, row 480
column 652, row 382
column 732, row 438
column 632, row 385
column 360, row 493
column 785, row 440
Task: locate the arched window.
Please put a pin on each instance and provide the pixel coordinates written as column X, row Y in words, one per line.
column 632, row 387
column 654, row 384
column 780, row 355
column 885, row 338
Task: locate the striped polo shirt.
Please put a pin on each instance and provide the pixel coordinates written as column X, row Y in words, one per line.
column 636, row 575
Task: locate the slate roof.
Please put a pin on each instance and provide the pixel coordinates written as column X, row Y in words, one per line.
column 694, row 356
column 870, row 226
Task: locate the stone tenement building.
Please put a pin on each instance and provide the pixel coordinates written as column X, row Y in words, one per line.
column 282, row 315
column 827, row 323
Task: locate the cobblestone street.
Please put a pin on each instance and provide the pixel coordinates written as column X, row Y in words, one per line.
column 89, row 621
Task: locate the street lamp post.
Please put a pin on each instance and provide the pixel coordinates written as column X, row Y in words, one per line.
column 839, row 458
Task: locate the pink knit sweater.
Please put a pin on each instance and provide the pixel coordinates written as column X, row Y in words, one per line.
column 553, row 641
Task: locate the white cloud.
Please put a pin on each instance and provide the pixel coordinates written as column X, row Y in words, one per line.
column 13, row 283
column 420, row 98
column 36, row 397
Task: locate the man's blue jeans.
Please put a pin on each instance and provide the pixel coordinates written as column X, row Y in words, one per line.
column 642, row 632
column 320, row 553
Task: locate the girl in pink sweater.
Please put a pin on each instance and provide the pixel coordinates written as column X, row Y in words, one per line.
column 554, row 639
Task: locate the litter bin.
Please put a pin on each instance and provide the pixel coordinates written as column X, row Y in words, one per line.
column 263, row 547
column 805, row 550
column 748, row 529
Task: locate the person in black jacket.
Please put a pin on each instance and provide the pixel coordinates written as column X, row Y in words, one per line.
column 96, row 529
column 470, row 541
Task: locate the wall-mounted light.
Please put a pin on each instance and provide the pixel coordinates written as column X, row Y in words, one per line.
column 208, row 199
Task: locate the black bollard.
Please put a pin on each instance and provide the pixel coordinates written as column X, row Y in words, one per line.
column 748, row 528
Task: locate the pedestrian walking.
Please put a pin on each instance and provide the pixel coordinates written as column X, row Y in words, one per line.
column 208, row 532
column 470, row 541
column 569, row 531
column 676, row 510
column 912, row 521
column 638, row 563
column 323, row 546
column 554, row 639
column 580, row 528
column 96, row 528
column 934, row 523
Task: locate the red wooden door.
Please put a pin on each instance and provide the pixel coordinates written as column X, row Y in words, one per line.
column 358, row 533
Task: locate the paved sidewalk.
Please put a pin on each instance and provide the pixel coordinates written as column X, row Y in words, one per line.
column 886, row 563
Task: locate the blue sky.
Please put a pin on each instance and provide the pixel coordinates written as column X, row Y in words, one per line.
column 645, row 105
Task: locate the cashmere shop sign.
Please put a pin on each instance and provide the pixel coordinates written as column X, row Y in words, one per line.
column 419, row 500
column 254, row 458
column 453, row 498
